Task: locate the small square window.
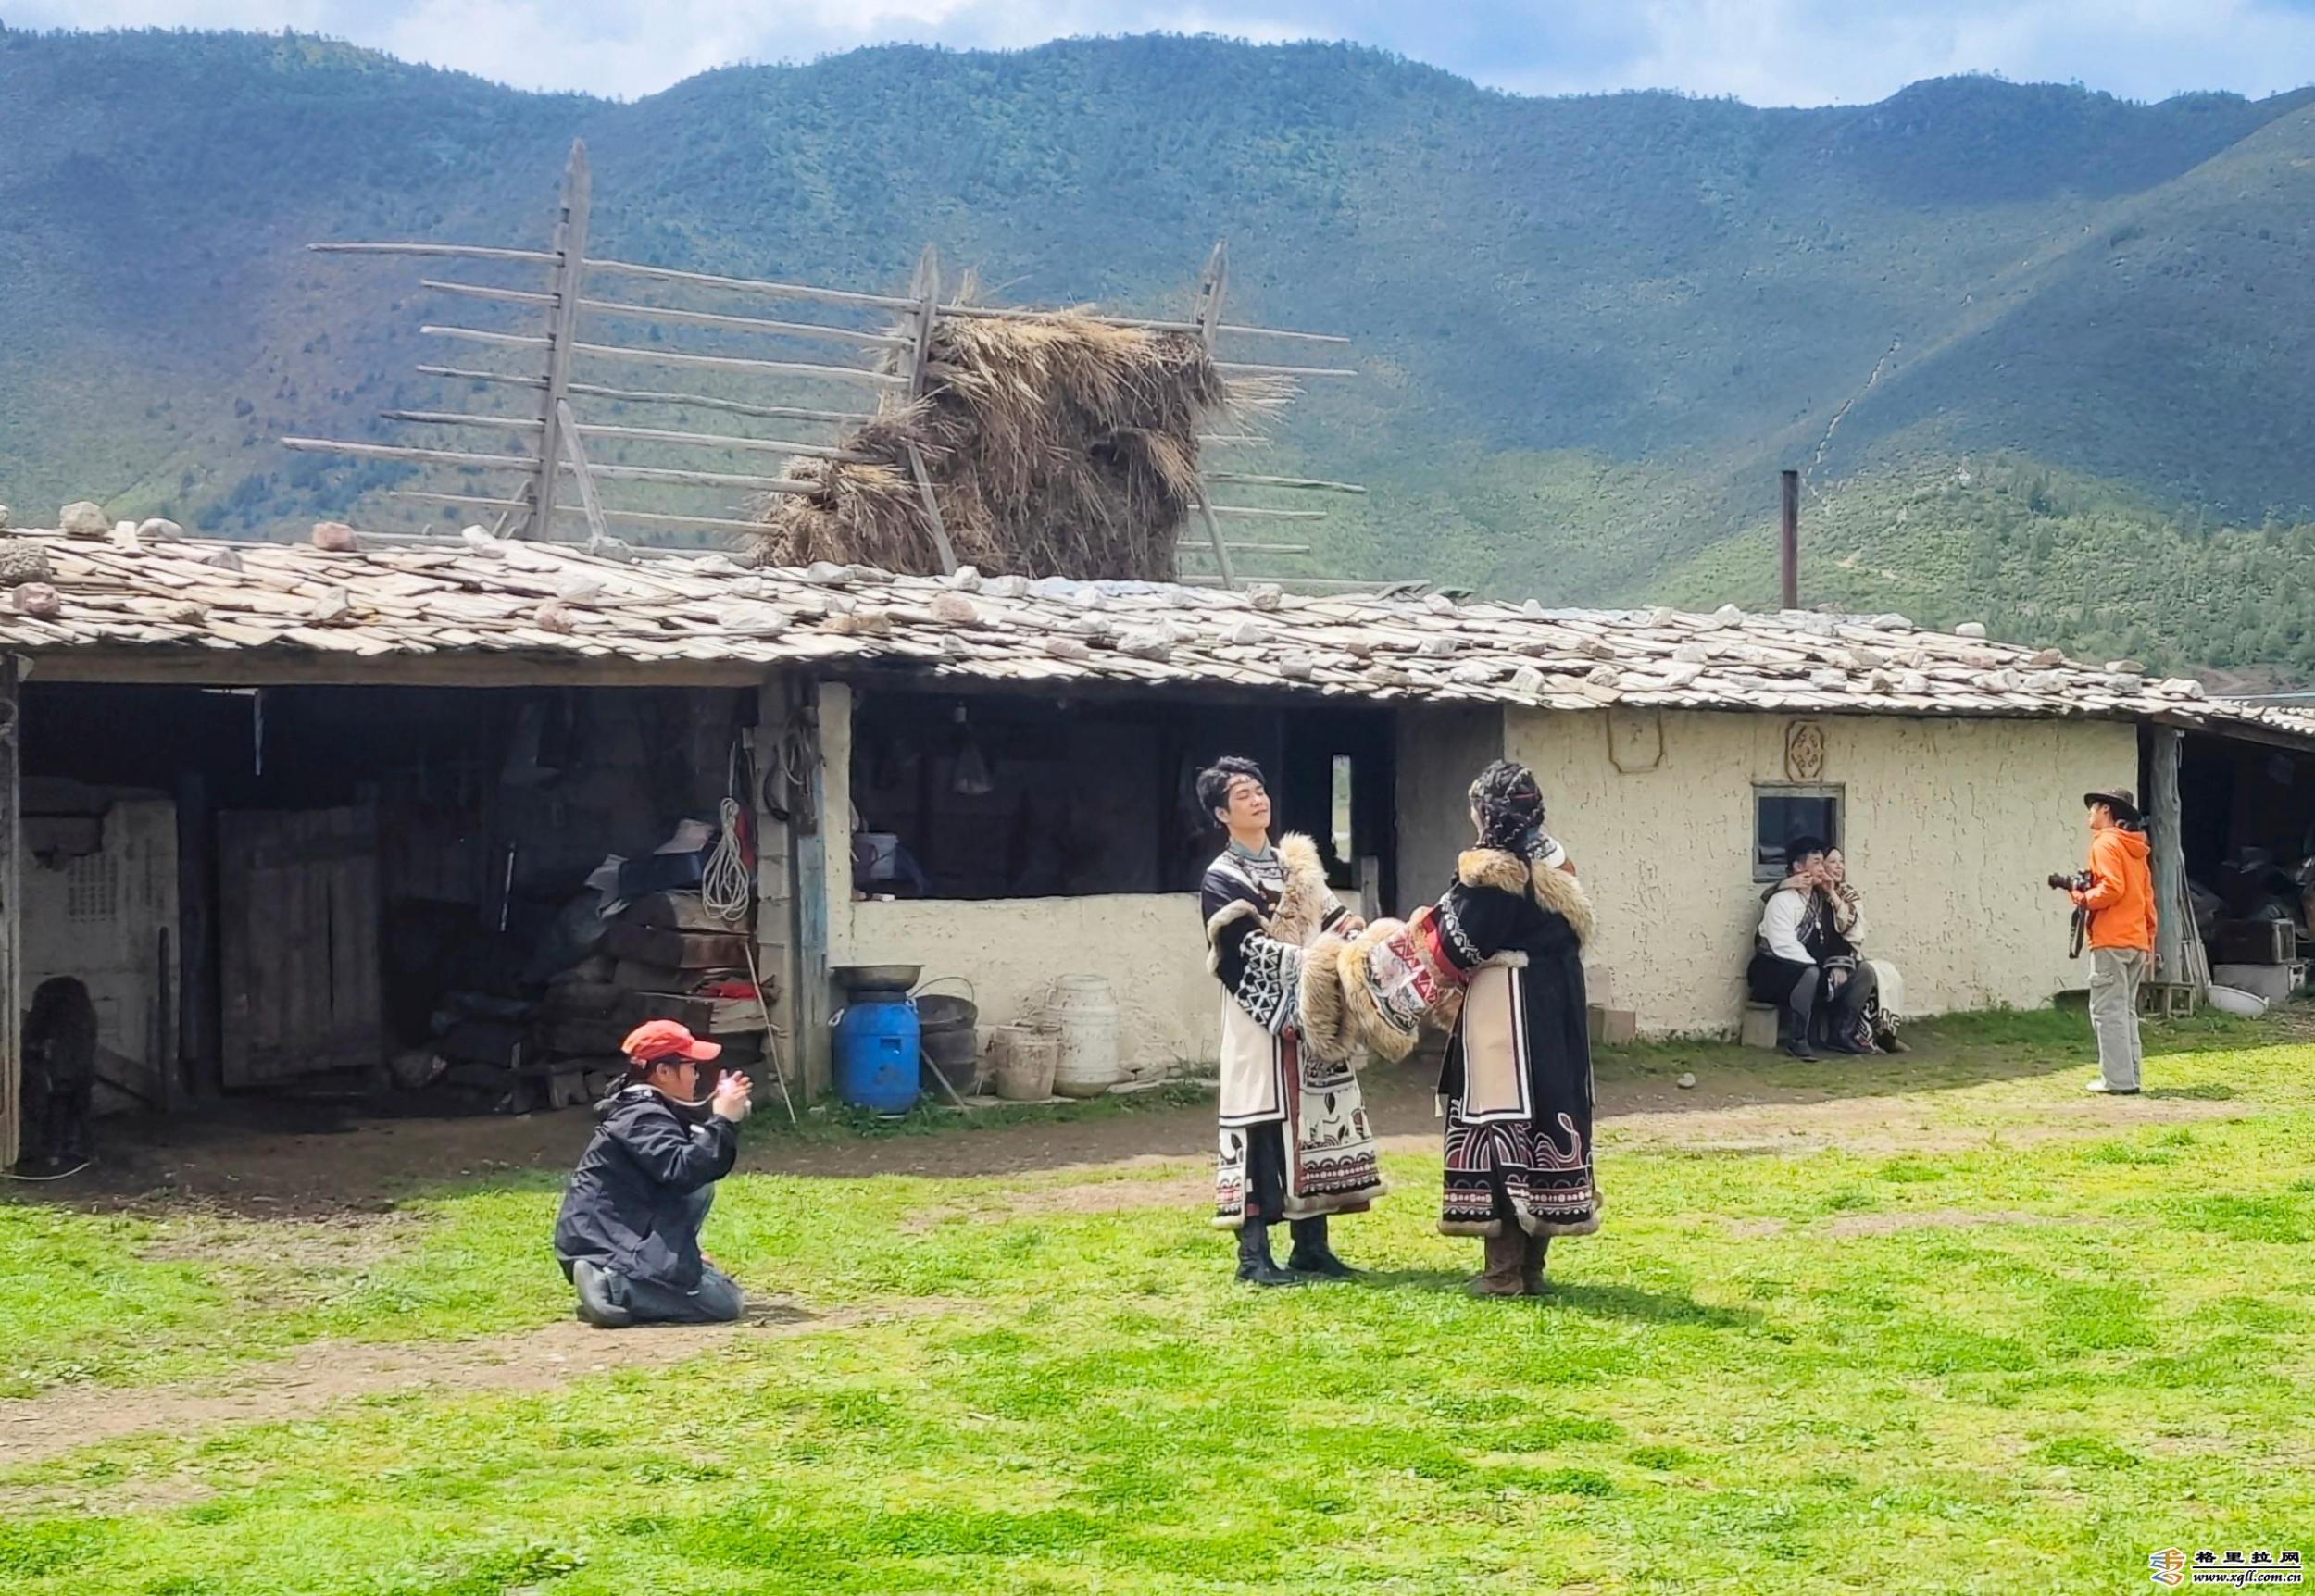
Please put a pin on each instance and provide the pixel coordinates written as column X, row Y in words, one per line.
column 1781, row 814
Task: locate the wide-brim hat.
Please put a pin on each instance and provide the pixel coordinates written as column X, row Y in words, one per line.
column 2121, row 800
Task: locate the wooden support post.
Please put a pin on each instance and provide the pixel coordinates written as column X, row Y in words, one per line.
column 779, row 815
column 942, row 546
column 570, row 250
column 596, row 527
column 200, row 1056
column 926, row 290
column 11, row 918
column 2173, row 919
column 823, row 844
column 1211, row 284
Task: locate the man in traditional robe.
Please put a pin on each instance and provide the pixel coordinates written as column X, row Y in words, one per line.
column 1295, row 1142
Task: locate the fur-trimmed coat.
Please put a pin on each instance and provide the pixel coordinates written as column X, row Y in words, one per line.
column 1518, row 1080
column 1504, row 911
column 1272, row 945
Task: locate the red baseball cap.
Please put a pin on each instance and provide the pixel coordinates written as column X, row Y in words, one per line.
column 657, row 1038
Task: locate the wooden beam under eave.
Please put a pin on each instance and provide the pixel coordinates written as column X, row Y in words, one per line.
column 2213, row 726
column 467, row 667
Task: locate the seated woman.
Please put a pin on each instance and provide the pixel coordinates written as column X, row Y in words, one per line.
column 1842, row 934
column 1518, row 1078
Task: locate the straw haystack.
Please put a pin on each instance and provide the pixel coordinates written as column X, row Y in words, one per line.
column 1058, row 445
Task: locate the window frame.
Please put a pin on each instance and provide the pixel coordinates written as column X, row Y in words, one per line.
column 1765, row 874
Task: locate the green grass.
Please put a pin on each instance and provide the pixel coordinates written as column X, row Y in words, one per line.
column 1814, row 1372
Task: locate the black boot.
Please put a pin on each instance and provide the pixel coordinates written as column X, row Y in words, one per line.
column 1312, row 1256
column 1254, row 1257
column 1534, row 1250
column 1506, row 1255
column 1794, row 1041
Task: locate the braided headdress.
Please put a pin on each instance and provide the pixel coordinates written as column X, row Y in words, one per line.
column 1511, row 808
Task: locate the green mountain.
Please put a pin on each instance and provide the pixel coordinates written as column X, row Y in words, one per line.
column 2044, row 356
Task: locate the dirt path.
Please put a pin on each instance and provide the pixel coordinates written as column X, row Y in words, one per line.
column 313, row 1163
column 322, row 1373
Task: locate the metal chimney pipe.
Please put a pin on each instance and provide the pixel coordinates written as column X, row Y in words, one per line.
column 1788, row 539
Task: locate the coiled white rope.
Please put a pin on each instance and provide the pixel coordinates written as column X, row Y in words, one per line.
column 725, row 888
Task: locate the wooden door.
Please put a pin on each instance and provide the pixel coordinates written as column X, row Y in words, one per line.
column 1337, row 776
column 299, row 942
column 108, row 920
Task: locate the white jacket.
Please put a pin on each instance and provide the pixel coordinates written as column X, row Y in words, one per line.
column 1780, row 926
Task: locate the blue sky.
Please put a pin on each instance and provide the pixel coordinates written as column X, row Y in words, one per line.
column 1767, row 52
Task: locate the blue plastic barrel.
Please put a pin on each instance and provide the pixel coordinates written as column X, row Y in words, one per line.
column 876, row 1053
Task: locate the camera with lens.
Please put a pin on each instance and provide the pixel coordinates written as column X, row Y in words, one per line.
column 2079, row 881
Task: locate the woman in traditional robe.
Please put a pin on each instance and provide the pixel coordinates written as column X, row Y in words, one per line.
column 1518, row 1077
column 1844, row 934
column 1296, row 1144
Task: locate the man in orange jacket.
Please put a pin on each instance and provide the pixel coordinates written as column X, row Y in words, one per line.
column 2119, row 900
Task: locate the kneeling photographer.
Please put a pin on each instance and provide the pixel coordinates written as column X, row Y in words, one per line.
column 2114, row 912
column 628, row 1235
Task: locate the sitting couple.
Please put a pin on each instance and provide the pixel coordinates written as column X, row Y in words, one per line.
column 1807, row 964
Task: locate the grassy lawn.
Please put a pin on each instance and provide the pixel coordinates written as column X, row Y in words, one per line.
column 2018, row 1356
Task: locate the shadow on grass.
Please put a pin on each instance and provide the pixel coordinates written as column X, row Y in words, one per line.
column 1415, row 1280
column 1629, row 1304
column 1634, row 1305
column 1952, row 1051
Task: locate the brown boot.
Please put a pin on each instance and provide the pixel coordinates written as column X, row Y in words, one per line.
column 1504, row 1255
column 1533, row 1249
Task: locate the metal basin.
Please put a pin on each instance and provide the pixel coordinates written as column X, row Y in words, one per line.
column 876, row 977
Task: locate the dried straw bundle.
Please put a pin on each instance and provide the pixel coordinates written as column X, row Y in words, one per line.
column 1057, row 446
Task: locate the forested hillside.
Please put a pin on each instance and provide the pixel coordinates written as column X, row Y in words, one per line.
column 2044, row 356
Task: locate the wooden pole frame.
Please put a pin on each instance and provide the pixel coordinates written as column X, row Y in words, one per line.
column 577, row 452
column 1211, row 284
column 571, row 251
column 563, row 297
column 926, row 288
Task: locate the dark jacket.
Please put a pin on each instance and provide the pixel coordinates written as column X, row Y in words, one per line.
column 632, row 1205
column 1502, row 905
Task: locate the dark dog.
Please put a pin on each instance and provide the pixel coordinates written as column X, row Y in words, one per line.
column 59, row 1074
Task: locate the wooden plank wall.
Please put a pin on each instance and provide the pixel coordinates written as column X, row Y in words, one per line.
column 300, row 936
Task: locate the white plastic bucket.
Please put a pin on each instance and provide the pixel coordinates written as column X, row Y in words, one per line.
column 1083, row 1012
column 1022, row 1060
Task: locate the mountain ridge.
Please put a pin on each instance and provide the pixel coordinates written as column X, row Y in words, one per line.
column 1589, row 328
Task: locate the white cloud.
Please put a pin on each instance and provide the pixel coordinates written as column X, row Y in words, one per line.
column 1816, row 52
column 1768, row 51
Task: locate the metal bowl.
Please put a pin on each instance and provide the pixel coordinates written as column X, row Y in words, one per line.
column 876, row 977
